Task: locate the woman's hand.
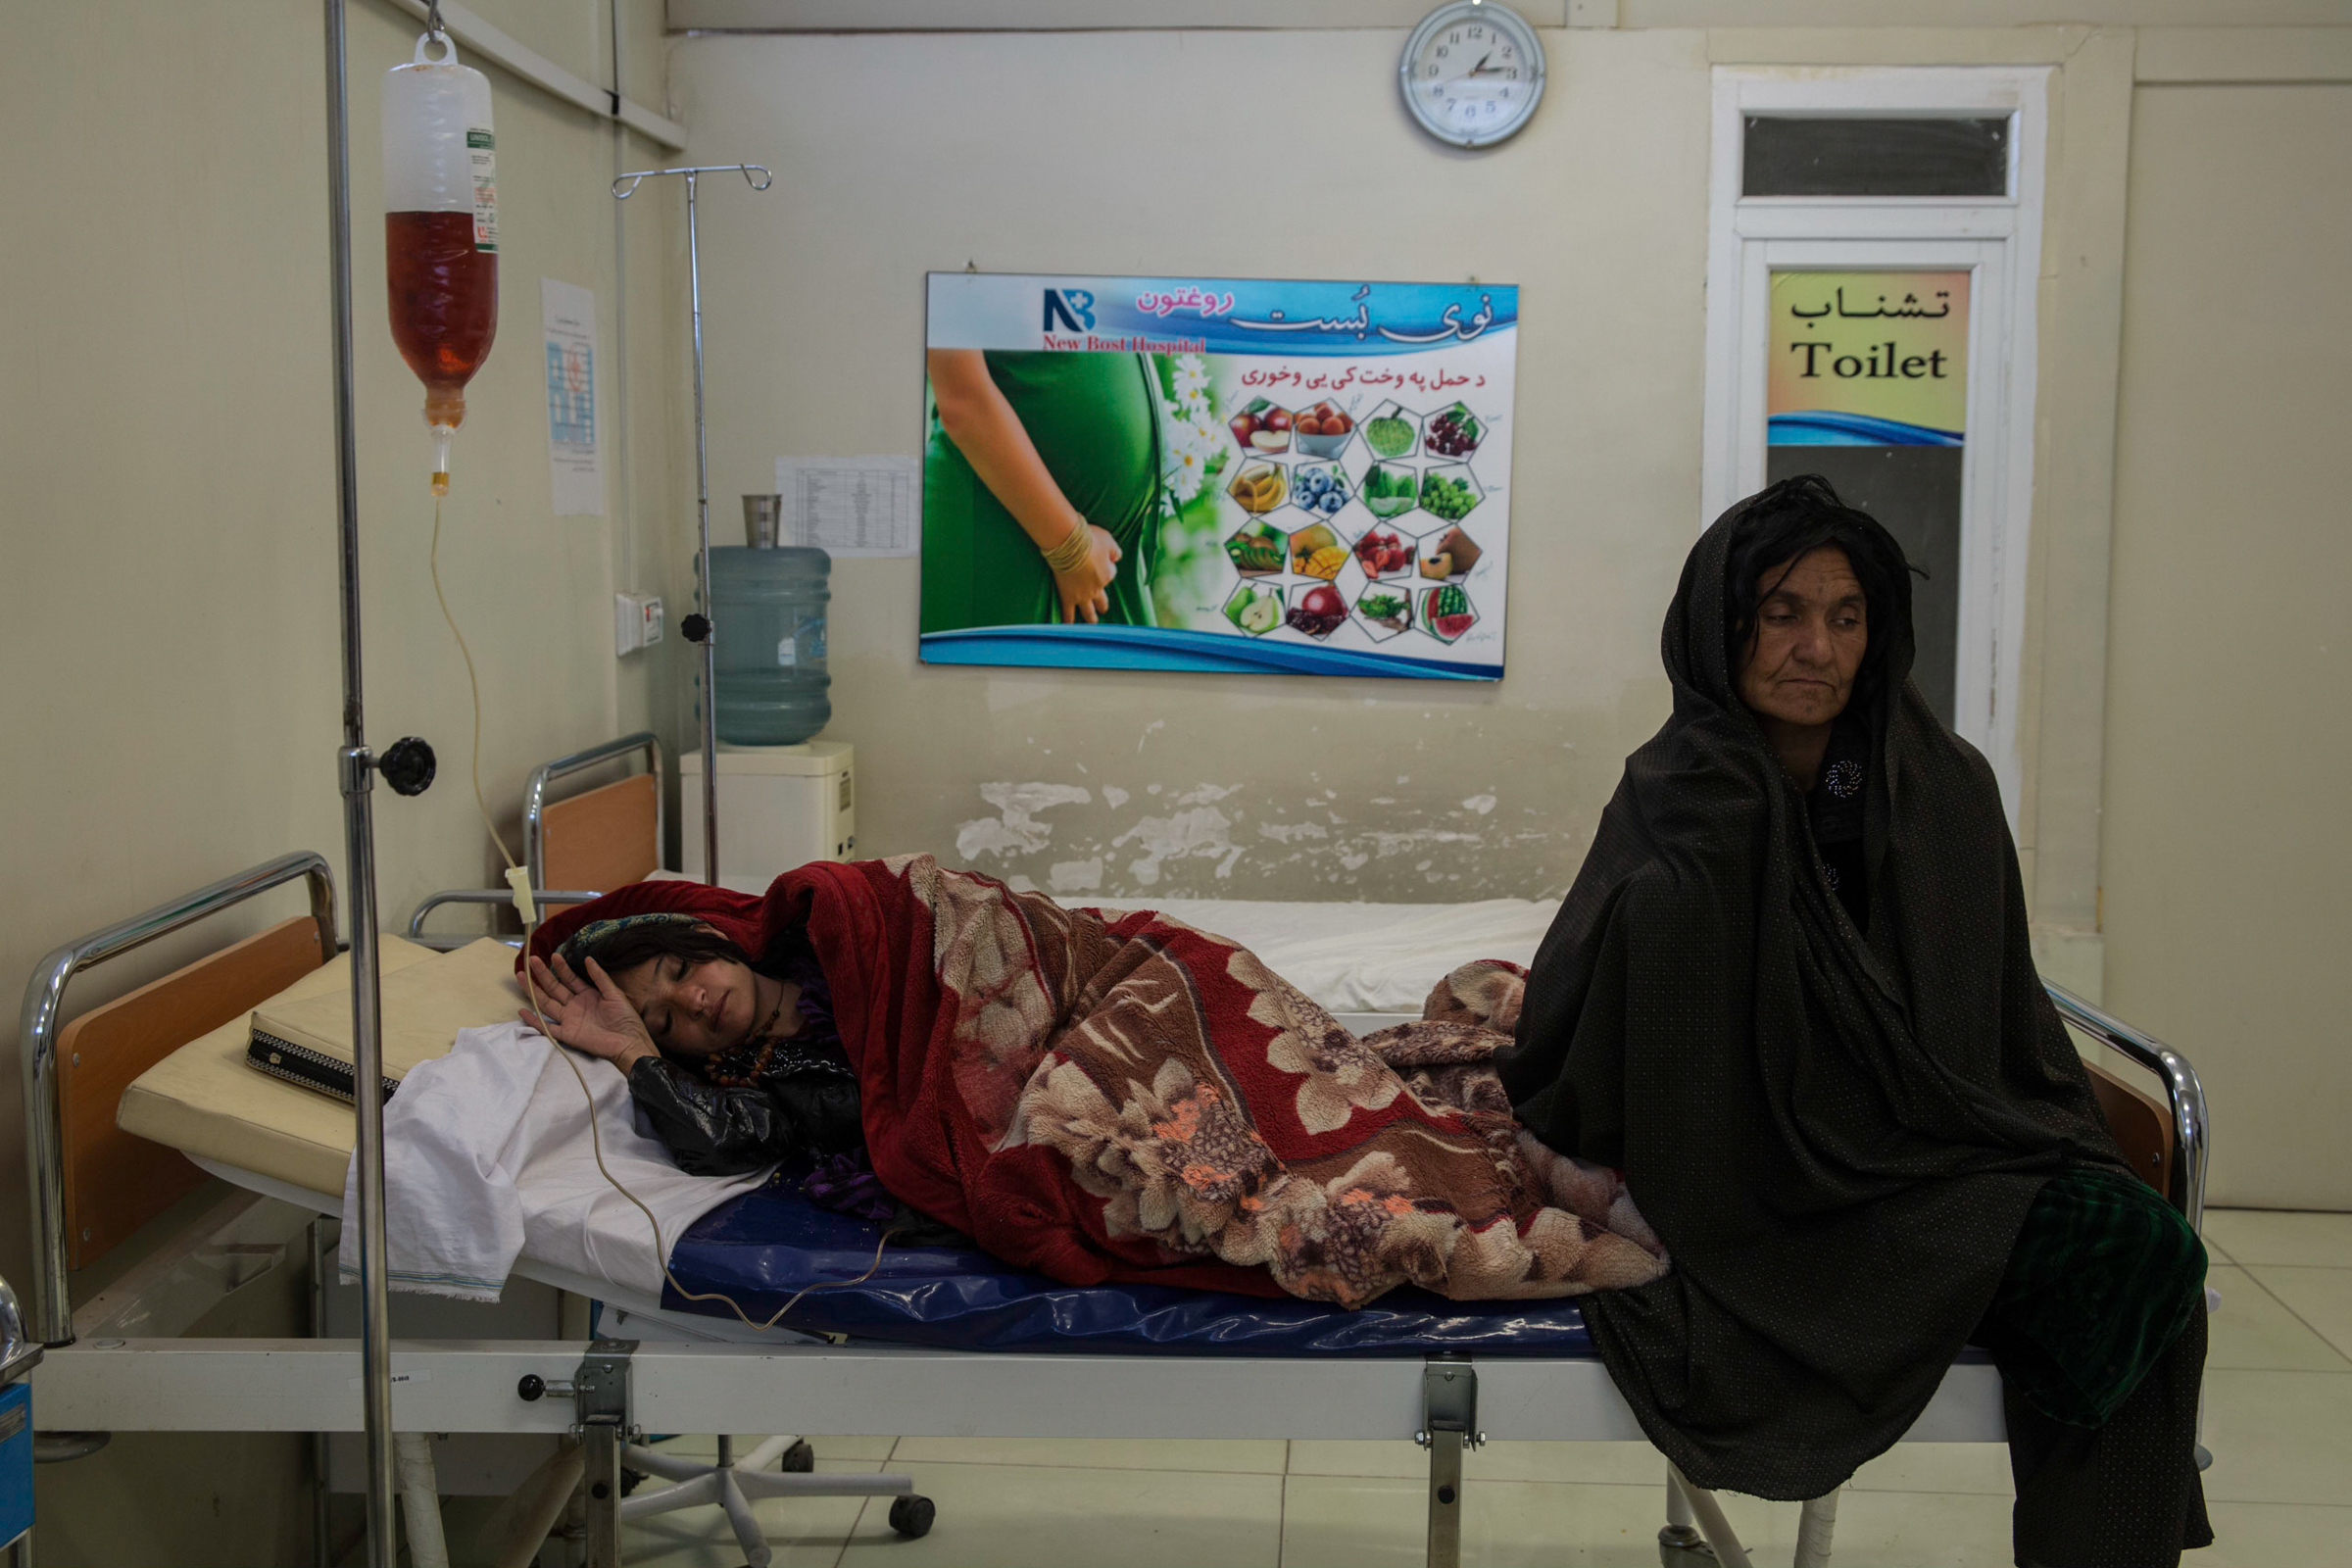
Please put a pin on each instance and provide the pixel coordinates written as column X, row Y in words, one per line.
column 589, row 1015
column 1082, row 588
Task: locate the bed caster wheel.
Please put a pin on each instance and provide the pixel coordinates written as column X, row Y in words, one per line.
column 1683, row 1547
column 799, row 1459
column 911, row 1517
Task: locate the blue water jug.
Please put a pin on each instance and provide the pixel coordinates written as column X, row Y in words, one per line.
column 768, row 606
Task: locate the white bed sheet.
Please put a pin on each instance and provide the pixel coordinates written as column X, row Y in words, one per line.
column 1369, row 957
column 488, row 1156
column 1351, row 957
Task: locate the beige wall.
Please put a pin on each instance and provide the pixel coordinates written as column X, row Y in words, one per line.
column 1111, row 153
column 2225, row 853
column 1597, row 212
column 168, row 545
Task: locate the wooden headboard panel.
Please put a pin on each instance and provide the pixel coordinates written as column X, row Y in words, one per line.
column 117, row 1182
column 604, row 839
column 2141, row 1124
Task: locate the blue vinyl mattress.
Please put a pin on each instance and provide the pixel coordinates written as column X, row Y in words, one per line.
column 766, row 1245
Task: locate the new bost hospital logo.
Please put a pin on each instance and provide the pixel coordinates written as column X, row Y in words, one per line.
column 1070, row 308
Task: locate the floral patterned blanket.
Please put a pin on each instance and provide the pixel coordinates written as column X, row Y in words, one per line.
column 1104, row 1096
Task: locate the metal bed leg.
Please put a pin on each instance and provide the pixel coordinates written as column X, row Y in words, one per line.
column 1444, row 1500
column 1448, row 1425
column 1680, row 1542
column 600, row 1452
column 1815, row 1528
column 1712, row 1525
column 600, row 1392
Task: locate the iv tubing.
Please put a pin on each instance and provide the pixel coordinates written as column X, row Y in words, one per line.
column 432, row 560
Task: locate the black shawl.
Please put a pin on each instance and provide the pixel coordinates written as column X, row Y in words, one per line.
column 1835, row 1136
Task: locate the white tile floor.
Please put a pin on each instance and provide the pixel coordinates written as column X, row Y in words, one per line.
column 2279, row 1420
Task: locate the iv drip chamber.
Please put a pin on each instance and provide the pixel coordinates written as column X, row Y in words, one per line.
column 440, row 229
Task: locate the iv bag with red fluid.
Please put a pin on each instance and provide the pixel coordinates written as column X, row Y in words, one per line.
column 440, row 230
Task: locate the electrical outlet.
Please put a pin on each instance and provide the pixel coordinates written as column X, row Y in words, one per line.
column 636, row 623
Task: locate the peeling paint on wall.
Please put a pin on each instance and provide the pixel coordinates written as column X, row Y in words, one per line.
column 1205, row 833
column 1015, row 829
column 1187, row 833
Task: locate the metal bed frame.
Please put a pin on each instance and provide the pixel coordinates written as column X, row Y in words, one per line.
column 106, row 1369
column 534, row 834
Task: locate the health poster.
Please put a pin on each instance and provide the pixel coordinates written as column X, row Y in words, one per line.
column 1283, row 478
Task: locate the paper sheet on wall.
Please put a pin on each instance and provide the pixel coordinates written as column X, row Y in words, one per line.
column 850, row 505
column 576, row 469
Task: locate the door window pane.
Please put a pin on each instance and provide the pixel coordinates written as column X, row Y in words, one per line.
column 1868, row 387
column 1841, row 156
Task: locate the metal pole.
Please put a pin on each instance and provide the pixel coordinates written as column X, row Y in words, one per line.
column 702, row 504
column 623, row 188
column 357, row 770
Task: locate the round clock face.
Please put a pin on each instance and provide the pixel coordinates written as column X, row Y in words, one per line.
column 1472, row 73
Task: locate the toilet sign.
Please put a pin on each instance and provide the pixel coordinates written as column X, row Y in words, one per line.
column 1867, row 359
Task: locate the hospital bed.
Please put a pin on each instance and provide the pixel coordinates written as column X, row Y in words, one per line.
column 169, row 1061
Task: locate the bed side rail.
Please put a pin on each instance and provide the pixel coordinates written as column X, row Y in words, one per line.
column 44, row 997
column 2192, row 1134
column 534, row 794
column 545, row 897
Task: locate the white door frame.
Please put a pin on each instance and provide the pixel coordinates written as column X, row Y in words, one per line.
column 1997, row 239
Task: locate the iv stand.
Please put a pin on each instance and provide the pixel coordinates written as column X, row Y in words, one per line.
column 699, row 628
column 407, row 767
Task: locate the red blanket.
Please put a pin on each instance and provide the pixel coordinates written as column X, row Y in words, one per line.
column 1104, row 1096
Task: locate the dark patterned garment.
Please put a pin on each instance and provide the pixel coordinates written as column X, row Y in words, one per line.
column 1807, row 1026
column 2105, row 1274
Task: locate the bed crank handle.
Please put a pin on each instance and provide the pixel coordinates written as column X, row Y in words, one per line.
column 533, row 1387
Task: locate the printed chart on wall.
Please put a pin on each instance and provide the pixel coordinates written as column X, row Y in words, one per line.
column 1300, row 478
column 1868, row 388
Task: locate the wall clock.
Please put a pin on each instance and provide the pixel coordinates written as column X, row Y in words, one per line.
column 1472, row 73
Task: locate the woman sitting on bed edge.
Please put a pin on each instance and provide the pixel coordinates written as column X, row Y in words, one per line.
column 1790, row 995
column 1093, row 1095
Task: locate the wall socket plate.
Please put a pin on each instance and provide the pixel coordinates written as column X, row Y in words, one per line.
column 636, row 623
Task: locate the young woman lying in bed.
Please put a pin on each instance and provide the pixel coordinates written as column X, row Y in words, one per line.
column 1095, row 1097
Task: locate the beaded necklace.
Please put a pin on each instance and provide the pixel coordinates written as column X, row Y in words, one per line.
column 740, row 1066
